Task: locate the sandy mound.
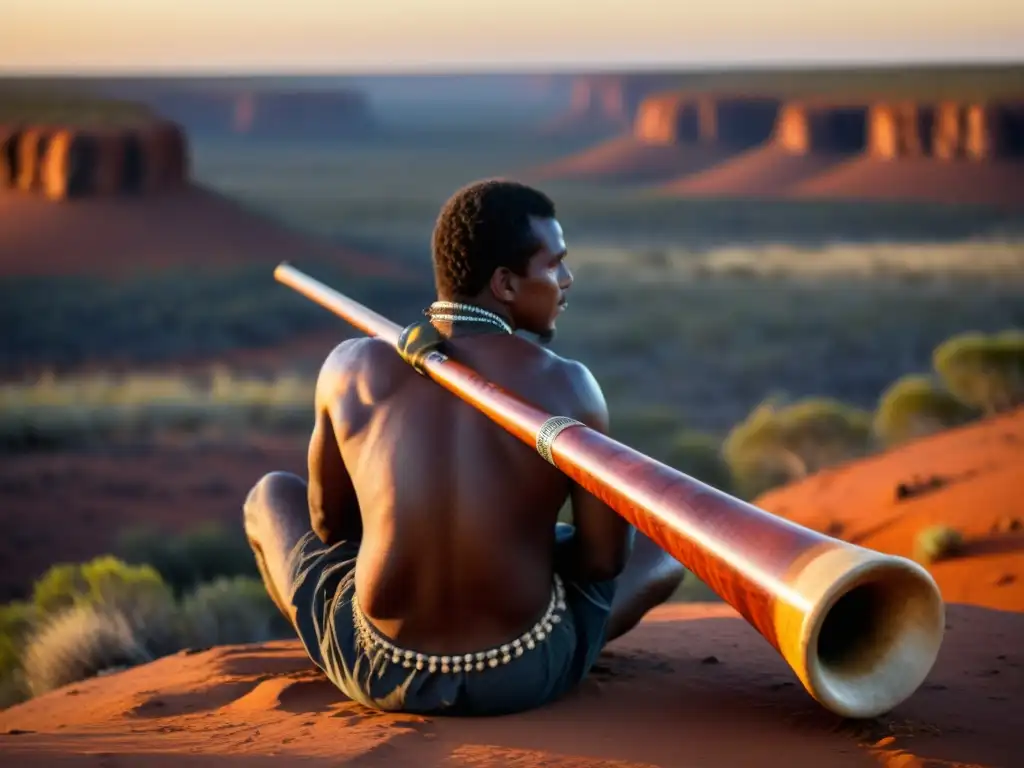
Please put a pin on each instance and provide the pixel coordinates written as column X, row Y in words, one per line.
column 979, row 471
column 191, row 226
column 693, row 685
column 760, row 171
column 998, row 183
column 628, row 159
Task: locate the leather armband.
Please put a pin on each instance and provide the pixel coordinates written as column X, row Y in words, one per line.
column 417, row 341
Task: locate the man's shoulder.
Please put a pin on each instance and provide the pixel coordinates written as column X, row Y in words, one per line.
column 358, row 352
column 575, row 387
column 353, row 358
column 560, row 369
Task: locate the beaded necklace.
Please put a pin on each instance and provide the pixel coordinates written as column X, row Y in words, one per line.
column 454, row 312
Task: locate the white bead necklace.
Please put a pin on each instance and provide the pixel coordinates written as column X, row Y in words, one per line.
column 437, row 311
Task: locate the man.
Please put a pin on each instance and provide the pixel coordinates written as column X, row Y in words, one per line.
column 422, row 566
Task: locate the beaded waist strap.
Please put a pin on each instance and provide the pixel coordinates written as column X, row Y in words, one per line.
column 370, row 638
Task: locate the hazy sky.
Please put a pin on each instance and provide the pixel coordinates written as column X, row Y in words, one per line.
column 376, row 35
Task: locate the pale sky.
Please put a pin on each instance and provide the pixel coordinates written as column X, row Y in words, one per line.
column 405, row 35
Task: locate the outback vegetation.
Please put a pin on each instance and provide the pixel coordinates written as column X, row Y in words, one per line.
column 747, row 343
column 938, row 542
column 161, row 594
column 778, row 441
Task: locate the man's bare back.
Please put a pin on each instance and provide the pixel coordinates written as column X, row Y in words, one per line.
column 457, row 514
column 421, row 564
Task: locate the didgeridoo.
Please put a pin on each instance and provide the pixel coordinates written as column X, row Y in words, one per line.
column 860, row 629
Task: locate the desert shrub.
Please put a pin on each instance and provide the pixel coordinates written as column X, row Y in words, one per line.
column 105, row 580
column 915, row 406
column 184, row 561
column 57, row 411
column 16, row 622
column 135, row 592
column 105, row 614
column 232, row 610
column 700, row 455
column 938, row 542
column 777, row 443
column 77, row 643
column 983, row 371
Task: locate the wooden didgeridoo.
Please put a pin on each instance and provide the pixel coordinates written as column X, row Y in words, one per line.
column 860, row 629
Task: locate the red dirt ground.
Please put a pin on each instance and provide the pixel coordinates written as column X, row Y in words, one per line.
column 983, row 465
column 693, row 685
column 190, row 227
column 999, row 184
column 767, row 170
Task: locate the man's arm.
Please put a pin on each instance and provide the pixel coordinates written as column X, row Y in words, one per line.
column 333, row 507
column 604, row 539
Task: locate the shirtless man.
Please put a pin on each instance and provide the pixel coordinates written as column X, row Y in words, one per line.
column 422, row 566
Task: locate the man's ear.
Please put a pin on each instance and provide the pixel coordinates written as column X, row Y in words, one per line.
column 504, row 284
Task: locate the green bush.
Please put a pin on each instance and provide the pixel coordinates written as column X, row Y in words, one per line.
column 77, row 643
column 230, row 611
column 105, row 580
column 17, row 620
column 914, row 406
column 939, row 542
column 983, row 371
column 777, row 443
column 185, row 561
column 135, row 592
column 86, row 618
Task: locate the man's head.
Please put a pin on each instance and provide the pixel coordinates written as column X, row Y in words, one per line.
column 498, row 244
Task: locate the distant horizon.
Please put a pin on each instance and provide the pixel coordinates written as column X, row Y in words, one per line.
column 521, row 69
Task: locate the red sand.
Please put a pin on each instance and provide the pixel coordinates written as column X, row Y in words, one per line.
column 627, row 159
column 190, row 227
column 694, row 685
column 766, row 170
column 919, row 179
column 984, row 464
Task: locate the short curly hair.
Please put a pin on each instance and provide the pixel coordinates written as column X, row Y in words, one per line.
column 483, row 226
